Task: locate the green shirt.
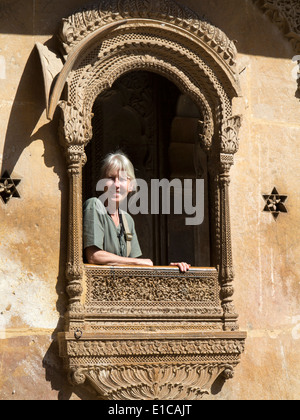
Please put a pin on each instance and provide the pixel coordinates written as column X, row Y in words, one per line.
column 100, row 230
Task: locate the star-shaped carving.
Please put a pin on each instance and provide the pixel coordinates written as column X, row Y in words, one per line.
column 275, row 203
column 8, row 187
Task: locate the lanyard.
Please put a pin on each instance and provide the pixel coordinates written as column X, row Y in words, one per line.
column 122, row 233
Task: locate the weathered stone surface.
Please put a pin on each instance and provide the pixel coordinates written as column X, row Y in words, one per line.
column 33, row 228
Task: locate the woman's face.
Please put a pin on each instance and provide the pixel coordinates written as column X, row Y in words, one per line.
column 117, row 186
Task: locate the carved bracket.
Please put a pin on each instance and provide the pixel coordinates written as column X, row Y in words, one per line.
column 76, row 126
column 230, row 135
column 159, row 368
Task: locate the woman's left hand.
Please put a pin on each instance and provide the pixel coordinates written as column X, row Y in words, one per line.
column 183, row 267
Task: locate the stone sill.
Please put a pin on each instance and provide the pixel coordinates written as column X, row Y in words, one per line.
column 154, row 268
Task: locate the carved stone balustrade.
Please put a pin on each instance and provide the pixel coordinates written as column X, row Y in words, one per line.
column 150, row 333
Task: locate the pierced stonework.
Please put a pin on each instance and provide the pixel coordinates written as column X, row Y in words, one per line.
column 153, row 293
column 286, row 15
column 275, row 203
column 8, row 187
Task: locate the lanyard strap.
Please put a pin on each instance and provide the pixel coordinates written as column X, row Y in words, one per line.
column 128, row 234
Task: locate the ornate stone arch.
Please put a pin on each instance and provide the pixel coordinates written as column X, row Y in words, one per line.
column 99, row 44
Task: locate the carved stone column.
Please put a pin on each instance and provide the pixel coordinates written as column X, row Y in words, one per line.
column 229, row 146
column 75, row 134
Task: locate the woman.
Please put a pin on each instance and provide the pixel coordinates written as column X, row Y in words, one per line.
column 106, row 226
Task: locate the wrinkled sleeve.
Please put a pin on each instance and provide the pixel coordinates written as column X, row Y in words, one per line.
column 93, row 228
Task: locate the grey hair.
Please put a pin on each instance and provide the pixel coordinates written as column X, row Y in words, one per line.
column 117, row 161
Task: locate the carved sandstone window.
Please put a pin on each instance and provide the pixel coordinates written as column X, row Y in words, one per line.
column 177, row 333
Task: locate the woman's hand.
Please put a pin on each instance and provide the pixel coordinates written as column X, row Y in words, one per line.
column 183, row 267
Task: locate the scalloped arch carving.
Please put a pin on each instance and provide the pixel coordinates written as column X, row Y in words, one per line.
column 87, row 20
column 160, row 36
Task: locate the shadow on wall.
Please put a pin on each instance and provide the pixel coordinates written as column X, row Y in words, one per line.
column 26, row 112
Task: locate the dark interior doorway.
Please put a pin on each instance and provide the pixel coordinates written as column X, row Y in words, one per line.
column 155, row 124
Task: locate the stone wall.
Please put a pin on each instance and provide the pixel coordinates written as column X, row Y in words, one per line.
column 33, row 227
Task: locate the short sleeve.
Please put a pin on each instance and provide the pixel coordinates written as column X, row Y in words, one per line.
column 93, row 228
